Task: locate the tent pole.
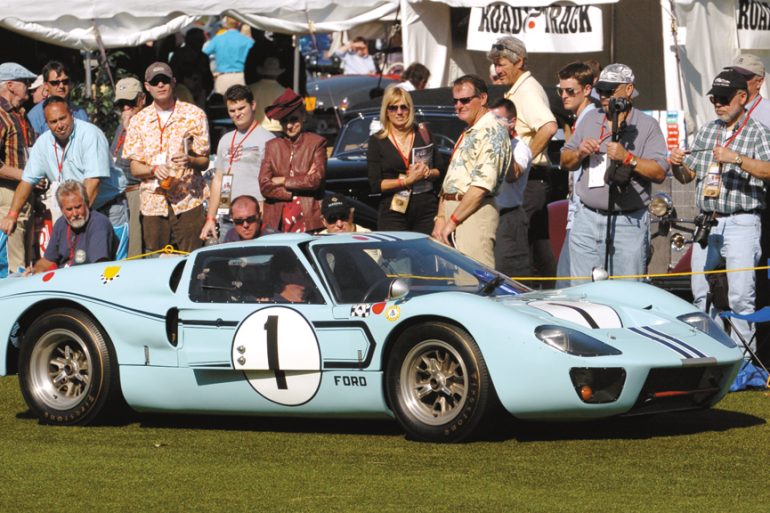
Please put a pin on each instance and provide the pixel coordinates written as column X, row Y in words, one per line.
column 295, row 43
column 87, row 69
column 612, row 33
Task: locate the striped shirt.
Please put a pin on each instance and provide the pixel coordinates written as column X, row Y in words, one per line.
column 13, row 146
column 739, row 190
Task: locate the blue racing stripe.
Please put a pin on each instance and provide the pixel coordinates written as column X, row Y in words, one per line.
column 661, row 341
column 680, row 342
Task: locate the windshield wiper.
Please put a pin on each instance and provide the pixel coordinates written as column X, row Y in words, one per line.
column 491, row 285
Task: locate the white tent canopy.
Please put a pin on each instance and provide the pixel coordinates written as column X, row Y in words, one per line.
column 131, row 24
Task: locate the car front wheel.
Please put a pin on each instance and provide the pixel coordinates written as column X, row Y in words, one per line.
column 437, row 383
column 67, row 368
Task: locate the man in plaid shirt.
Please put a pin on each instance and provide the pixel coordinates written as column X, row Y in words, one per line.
column 729, row 160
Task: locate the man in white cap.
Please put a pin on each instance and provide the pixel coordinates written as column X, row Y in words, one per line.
column 15, row 138
column 535, row 126
column 266, row 91
column 753, row 70
column 37, row 92
column 620, row 171
column 129, row 100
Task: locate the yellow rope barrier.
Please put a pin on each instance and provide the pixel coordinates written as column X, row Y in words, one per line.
column 619, row 277
column 637, row 276
column 166, row 250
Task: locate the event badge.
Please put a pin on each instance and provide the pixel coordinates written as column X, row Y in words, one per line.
column 159, row 159
column 713, row 181
column 225, row 193
column 400, row 201
column 597, row 167
column 80, row 256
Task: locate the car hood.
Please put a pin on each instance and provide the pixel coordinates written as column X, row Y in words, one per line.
column 602, row 305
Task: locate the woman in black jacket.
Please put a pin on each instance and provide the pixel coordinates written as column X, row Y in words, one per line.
column 402, row 164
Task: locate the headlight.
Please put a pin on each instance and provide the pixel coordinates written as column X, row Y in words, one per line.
column 661, row 205
column 706, row 324
column 573, row 342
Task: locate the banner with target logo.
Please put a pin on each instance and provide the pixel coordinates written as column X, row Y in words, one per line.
column 553, row 29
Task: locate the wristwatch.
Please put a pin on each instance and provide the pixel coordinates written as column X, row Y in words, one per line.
column 738, row 160
column 634, row 161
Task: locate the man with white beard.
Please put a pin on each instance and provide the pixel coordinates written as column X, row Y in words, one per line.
column 80, row 235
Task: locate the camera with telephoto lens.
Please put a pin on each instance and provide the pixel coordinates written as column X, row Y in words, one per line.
column 703, row 224
column 618, row 105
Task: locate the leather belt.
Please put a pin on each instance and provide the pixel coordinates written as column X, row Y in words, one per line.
column 737, row 212
column 504, row 211
column 132, row 188
column 614, row 212
column 458, row 196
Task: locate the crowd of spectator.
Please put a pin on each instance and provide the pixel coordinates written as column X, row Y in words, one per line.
column 489, row 199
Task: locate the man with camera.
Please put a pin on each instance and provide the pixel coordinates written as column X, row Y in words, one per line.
column 621, row 151
column 729, row 159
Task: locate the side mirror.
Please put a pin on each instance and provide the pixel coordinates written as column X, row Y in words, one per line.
column 599, row 274
column 398, row 288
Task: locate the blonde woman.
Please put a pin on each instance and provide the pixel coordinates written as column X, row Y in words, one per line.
column 403, row 164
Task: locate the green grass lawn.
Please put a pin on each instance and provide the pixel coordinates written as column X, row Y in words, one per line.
column 690, row 462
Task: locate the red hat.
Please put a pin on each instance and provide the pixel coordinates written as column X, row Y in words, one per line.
column 284, row 105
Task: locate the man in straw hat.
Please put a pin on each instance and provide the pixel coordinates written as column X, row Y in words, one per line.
column 266, row 90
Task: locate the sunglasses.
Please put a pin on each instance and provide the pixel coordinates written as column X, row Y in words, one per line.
column 499, row 48
column 290, row 120
column 570, row 91
column 333, row 218
column 122, row 104
column 57, row 83
column 160, row 80
column 607, row 92
column 721, row 99
column 240, row 221
column 466, row 100
column 396, row 108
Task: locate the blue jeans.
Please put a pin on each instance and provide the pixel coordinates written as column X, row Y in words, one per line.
column 736, row 240
column 630, row 233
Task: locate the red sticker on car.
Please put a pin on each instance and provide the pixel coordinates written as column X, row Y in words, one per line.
column 48, row 276
column 377, row 308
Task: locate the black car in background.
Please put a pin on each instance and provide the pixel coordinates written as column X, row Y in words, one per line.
column 346, row 168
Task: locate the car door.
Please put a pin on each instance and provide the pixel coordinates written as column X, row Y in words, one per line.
column 257, row 313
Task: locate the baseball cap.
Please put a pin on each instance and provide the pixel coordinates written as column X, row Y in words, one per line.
column 748, row 65
column 157, row 69
column 335, row 205
column 727, row 82
column 615, row 74
column 37, row 83
column 127, row 89
column 14, row 71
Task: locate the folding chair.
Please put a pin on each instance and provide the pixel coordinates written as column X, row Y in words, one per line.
column 760, row 316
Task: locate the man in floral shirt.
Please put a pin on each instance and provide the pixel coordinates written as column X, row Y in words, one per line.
column 168, row 146
column 467, row 216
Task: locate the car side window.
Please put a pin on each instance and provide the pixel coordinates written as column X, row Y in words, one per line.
column 252, row 275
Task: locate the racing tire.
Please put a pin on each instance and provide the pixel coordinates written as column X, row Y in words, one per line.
column 68, row 372
column 437, row 383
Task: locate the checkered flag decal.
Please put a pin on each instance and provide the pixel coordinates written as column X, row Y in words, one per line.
column 361, row 310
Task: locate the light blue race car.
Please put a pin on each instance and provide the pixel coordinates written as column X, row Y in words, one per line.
column 352, row 325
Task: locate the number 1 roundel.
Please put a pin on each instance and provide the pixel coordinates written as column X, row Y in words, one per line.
column 278, row 352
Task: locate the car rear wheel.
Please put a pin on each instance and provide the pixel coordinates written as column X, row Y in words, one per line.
column 437, row 383
column 67, row 368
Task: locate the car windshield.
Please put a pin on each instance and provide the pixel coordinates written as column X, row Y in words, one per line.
column 354, row 138
column 365, row 272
